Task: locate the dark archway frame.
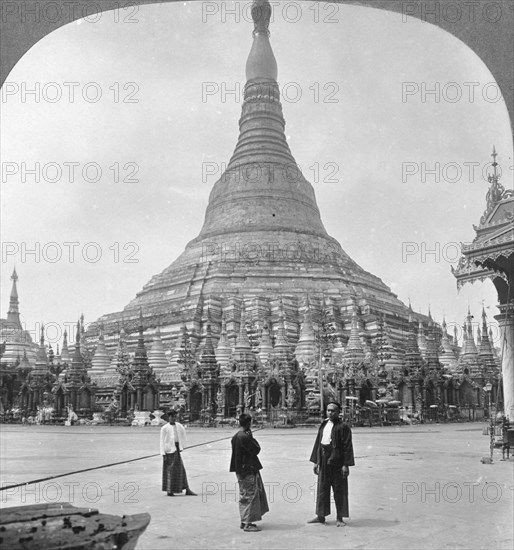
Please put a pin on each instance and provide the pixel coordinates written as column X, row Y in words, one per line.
column 485, row 26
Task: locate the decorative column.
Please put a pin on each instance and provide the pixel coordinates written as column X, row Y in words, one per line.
column 506, row 322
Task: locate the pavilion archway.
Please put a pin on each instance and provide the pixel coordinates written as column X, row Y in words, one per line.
column 231, row 400
column 365, row 393
column 195, row 403
column 273, row 394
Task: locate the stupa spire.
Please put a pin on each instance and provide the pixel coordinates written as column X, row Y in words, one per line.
column 306, row 348
column 223, row 351
column 281, row 343
column 208, row 361
column 411, row 346
column 140, row 361
column 41, row 358
column 422, row 340
column 485, row 349
column 261, row 62
column 468, row 345
column 262, row 161
column 353, row 353
column 65, row 352
column 13, row 315
column 265, row 344
column 157, row 354
column 77, row 369
column 101, row 361
column 243, row 350
column 243, row 342
column 354, row 343
column 77, row 339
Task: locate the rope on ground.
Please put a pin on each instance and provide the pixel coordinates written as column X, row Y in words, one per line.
column 43, row 479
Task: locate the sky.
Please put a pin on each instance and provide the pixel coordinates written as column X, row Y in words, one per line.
column 132, row 118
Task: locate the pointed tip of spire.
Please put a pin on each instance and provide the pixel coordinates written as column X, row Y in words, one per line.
column 42, row 336
column 14, row 275
column 77, row 335
column 469, row 316
column 261, row 15
column 261, row 62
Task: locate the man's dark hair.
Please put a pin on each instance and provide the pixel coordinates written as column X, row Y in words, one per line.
column 335, row 403
column 172, row 412
column 245, row 420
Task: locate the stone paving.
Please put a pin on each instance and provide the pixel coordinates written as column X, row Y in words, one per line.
column 416, row 487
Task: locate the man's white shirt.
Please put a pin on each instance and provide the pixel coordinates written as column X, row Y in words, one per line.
column 326, row 438
column 171, row 435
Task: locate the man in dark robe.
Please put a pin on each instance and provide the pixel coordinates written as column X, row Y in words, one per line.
column 332, row 455
column 253, row 503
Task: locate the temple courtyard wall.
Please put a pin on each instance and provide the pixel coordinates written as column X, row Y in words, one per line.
column 416, row 487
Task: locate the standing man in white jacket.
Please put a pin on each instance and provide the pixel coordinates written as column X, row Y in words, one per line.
column 173, row 441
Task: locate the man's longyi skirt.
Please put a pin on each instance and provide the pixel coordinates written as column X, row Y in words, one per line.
column 253, row 503
column 174, row 478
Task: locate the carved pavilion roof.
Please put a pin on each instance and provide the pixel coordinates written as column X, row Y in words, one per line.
column 490, row 253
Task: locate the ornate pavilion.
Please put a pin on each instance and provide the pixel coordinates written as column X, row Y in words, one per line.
column 491, row 256
column 263, row 310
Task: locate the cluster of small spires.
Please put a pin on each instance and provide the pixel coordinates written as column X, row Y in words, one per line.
column 431, row 343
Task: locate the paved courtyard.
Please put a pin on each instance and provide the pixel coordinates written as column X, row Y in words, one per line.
column 412, row 487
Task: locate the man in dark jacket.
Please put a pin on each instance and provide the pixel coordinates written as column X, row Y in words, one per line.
column 332, row 455
column 253, row 503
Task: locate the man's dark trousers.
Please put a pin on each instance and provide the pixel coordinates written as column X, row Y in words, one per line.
column 331, row 477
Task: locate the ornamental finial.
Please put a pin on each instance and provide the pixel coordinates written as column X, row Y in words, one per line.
column 261, row 63
column 261, row 15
